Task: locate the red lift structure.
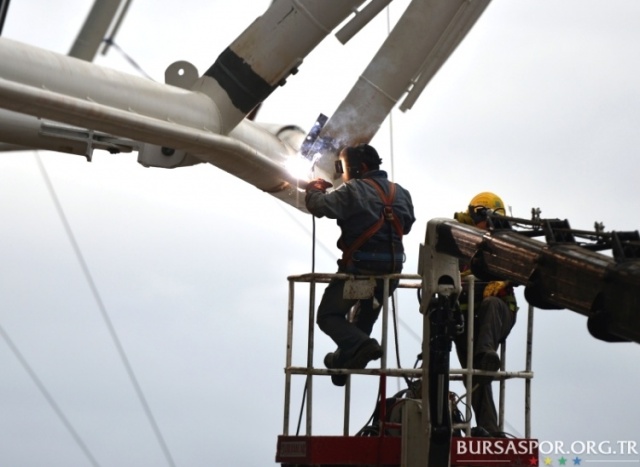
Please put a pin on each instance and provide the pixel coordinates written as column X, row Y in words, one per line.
column 563, row 272
column 397, row 437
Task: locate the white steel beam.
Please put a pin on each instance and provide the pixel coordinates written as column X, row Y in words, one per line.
column 94, row 29
column 64, row 89
column 267, row 52
column 419, row 44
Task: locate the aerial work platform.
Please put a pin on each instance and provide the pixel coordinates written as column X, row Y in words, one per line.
column 397, row 437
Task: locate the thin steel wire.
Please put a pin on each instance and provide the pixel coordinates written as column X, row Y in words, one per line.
column 105, row 315
column 49, row 398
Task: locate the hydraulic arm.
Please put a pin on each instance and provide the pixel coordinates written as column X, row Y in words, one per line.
column 561, row 273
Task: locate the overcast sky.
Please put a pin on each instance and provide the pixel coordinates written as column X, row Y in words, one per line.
column 540, row 104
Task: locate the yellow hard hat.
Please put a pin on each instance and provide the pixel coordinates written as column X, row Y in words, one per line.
column 487, row 200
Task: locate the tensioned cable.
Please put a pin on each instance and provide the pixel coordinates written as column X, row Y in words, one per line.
column 116, row 27
column 128, row 58
column 326, row 249
column 391, row 171
column 396, row 318
column 105, row 315
column 54, row 405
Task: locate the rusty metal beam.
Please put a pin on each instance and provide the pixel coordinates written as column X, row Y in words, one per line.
column 555, row 276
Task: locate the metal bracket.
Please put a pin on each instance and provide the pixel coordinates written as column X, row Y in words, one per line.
column 625, row 245
column 181, row 74
column 439, row 271
column 558, row 231
column 91, row 138
column 152, row 155
column 312, row 136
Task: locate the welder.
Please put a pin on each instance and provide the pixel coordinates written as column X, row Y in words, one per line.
column 373, row 214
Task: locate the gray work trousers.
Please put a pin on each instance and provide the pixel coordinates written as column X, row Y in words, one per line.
column 493, row 323
column 333, row 311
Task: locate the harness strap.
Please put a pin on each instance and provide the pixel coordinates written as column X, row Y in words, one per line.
column 386, row 216
column 388, row 204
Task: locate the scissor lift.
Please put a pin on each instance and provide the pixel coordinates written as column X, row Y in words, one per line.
column 406, row 446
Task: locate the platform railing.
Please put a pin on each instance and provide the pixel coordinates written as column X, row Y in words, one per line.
column 411, row 281
column 467, row 374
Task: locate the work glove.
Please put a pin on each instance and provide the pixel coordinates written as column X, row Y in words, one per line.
column 318, row 185
column 495, row 289
column 465, row 272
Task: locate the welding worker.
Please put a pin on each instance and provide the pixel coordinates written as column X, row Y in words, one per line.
column 494, row 317
column 373, row 215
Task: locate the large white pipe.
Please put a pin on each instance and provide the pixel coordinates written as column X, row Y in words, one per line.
column 456, row 28
column 413, row 45
column 268, row 51
column 49, row 85
column 69, row 76
column 231, row 155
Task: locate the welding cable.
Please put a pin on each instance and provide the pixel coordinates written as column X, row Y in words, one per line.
column 313, row 244
column 304, row 396
column 460, row 413
column 395, row 336
column 368, row 429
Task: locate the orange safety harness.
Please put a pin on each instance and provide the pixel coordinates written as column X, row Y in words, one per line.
column 385, row 216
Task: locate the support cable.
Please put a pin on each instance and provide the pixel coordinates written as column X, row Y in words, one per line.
column 103, row 311
column 391, row 153
column 50, row 400
column 116, row 27
column 128, row 58
column 394, row 296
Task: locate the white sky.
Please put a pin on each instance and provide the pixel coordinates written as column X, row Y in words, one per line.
column 540, row 104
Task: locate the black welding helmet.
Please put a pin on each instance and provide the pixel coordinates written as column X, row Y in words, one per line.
column 352, row 158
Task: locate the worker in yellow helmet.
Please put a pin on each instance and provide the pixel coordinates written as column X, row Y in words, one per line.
column 494, row 317
column 480, row 207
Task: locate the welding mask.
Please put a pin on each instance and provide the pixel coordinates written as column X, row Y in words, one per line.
column 355, row 159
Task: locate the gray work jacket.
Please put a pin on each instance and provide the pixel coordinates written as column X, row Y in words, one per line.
column 356, row 206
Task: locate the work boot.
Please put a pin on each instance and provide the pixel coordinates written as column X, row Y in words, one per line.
column 487, row 361
column 331, row 361
column 368, row 351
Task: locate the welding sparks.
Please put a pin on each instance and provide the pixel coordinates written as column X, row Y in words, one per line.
column 300, row 167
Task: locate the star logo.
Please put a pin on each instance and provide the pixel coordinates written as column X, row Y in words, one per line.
column 576, row 460
column 547, row 460
column 562, row 461
column 533, row 461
